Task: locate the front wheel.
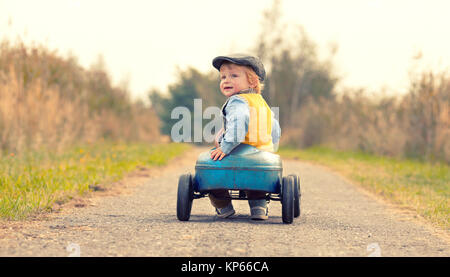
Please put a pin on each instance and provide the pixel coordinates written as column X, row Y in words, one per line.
column 287, row 199
column 185, row 197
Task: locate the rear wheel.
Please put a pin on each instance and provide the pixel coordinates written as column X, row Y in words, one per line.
column 297, row 195
column 287, row 199
column 185, row 197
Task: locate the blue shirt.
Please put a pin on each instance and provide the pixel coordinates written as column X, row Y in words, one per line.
column 237, row 115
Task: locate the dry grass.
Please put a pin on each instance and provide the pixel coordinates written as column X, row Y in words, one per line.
column 416, row 125
column 49, row 107
column 49, row 101
column 33, row 116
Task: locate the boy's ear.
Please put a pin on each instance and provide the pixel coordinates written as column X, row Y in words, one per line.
column 253, row 82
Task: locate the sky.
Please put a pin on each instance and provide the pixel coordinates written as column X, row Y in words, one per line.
column 146, row 42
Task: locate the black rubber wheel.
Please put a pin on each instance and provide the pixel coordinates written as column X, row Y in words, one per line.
column 287, row 199
column 297, row 195
column 185, row 197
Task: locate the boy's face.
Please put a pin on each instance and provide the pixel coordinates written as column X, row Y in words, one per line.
column 232, row 79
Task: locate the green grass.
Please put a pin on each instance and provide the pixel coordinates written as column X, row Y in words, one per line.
column 34, row 181
column 420, row 186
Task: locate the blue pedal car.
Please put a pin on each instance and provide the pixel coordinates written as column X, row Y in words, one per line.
column 245, row 168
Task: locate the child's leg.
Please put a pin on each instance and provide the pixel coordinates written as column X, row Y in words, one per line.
column 255, row 195
column 258, row 205
column 219, row 199
column 256, row 199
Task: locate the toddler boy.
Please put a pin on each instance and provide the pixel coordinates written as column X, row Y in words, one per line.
column 247, row 119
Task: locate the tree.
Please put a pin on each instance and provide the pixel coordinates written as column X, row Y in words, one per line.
column 295, row 72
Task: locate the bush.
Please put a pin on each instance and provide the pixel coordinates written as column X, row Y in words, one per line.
column 414, row 125
column 49, row 100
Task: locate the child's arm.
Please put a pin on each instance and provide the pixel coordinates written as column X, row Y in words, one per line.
column 218, row 138
column 237, row 118
column 276, row 132
column 217, row 153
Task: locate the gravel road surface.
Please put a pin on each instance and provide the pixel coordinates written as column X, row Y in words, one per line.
column 338, row 219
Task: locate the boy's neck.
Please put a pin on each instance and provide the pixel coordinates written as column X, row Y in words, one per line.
column 248, row 90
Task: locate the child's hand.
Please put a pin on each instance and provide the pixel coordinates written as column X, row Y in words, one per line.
column 217, row 153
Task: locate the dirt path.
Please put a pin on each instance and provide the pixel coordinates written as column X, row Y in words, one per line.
column 338, row 219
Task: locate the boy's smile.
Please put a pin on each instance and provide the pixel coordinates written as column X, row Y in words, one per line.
column 232, row 79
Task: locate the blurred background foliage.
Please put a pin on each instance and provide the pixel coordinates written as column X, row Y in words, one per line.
column 312, row 111
column 48, row 100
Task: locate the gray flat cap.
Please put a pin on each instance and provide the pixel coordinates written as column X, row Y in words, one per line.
column 242, row 59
